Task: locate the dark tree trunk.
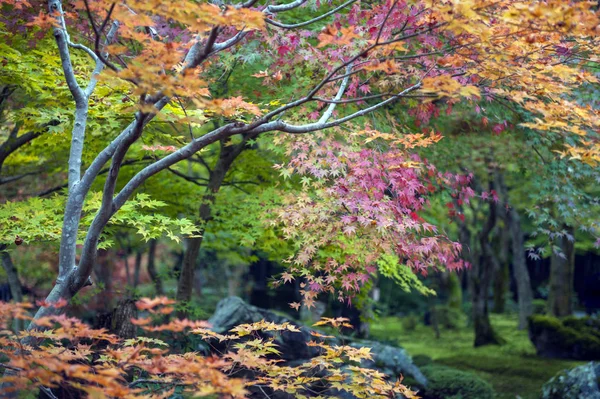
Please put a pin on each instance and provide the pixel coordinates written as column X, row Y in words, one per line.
column 227, row 154
column 138, row 268
column 16, row 290
column 482, row 274
column 521, row 273
column 121, row 324
column 562, row 268
column 501, row 272
column 519, row 262
column 482, row 259
column 14, row 284
column 152, row 268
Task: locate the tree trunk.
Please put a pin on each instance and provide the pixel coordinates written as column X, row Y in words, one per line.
column 152, row 268
column 482, row 261
column 501, row 273
column 121, row 324
column 482, row 274
column 227, row 155
column 519, row 262
column 138, row 268
column 562, row 267
column 521, row 273
column 16, row 290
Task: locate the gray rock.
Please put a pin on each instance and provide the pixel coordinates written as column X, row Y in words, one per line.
column 388, row 359
column 233, row 311
column 391, row 360
column 577, row 383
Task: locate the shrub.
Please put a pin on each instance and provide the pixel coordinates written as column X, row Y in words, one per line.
column 448, row 383
column 422, row 360
column 571, row 338
column 450, row 317
column 410, row 322
column 539, row 306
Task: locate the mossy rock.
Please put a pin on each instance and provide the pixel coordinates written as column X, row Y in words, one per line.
column 448, row 383
column 569, row 338
column 577, row 383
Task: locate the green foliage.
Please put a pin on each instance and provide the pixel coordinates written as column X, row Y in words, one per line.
column 390, row 267
column 422, row 360
column 455, row 294
column 40, row 219
column 450, row 317
column 447, row 383
column 539, row 306
column 410, row 322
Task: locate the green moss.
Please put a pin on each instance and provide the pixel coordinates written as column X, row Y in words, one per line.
column 422, row 360
column 539, row 306
column 445, row 383
column 410, row 322
column 512, row 369
column 451, row 317
column 576, row 338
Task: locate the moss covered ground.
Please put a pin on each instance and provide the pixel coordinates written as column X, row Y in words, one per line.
column 513, row 369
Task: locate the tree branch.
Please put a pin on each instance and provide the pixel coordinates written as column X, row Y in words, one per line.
column 284, row 7
column 62, row 40
column 327, row 114
column 312, row 21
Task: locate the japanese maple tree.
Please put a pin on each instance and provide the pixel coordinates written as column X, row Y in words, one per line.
column 351, row 60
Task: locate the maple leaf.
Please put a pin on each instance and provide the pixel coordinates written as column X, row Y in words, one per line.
column 287, row 277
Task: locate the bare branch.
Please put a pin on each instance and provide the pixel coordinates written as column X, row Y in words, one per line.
column 99, row 63
column 229, row 42
column 10, row 179
column 282, row 126
column 284, row 7
column 171, row 159
column 198, row 53
column 99, row 31
column 312, row 21
column 327, row 114
column 62, row 40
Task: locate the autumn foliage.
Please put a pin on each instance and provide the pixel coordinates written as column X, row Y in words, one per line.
column 129, row 68
column 71, row 357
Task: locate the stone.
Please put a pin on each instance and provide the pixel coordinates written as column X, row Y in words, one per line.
column 577, row 383
column 232, row 311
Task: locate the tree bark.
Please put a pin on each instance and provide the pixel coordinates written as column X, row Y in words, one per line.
column 519, row 262
column 482, row 261
column 16, row 290
column 138, row 268
column 521, row 273
column 158, row 286
column 562, row 268
column 227, row 155
column 501, row 272
column 121, row 324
